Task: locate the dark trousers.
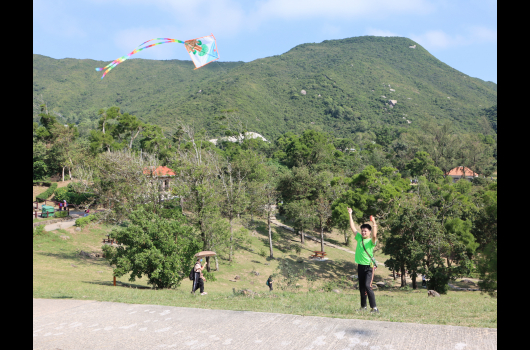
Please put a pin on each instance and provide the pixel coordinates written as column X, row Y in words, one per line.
column 198, row 283
column 365, row 282
column 270, row 286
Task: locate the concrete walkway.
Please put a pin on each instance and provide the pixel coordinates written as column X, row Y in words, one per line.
column 84, row 324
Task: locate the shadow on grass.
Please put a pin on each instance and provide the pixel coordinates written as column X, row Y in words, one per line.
column 62, row 297
column 74, row 257
column 118, row 284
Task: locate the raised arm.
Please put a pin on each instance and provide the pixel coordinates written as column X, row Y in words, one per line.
column 352, row 224
column 374, row 229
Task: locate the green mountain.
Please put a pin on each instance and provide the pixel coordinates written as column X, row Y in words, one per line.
column 343, row 83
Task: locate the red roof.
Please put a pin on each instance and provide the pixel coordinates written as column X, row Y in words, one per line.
column 458, row 171
column 160, row 171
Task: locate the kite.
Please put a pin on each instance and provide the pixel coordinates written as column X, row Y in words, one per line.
column 202, row 51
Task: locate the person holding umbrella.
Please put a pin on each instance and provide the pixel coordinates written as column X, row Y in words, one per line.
column 198, row 280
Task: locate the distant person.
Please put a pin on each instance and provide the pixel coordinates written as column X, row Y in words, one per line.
column 86, row 211
column 65, row 204
column 269, row 283
column 366, row 241
column 423, row 281
column 60, row 206
column 198, row 280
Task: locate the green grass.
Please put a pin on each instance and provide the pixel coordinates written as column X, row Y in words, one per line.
column 43, row 219
column 91, row 279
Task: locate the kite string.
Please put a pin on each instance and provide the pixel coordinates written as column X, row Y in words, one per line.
column 138, row 49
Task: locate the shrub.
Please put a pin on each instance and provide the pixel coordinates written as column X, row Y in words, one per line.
column 39, row 170
column 60, row 214
column 44, row 195
column 297, row 249
column 61, row 194
column 275, row 236
column 39, row 230
column 262, row 252
column 82, row 222
column 210, row 277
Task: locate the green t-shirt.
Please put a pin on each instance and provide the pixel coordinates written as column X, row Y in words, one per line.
column 360, row 255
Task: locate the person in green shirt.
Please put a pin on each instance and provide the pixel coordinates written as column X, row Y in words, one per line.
column 365, row 266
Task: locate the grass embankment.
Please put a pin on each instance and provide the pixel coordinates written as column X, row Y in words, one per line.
column 60, row 272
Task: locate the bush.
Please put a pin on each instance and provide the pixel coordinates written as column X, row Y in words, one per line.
column 61, row 194
column 275, row 236
column 210, row 277
column 60, row 214
column 44, row 195
column 39, row 230
column 42, row 182
column 262, row 253
column 82, row 222
column 39, row 170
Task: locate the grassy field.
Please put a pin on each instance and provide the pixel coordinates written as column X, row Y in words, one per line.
column 60, row 272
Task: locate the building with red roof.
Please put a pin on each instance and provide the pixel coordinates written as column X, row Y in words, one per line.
column 162, row 173
column 461, row 171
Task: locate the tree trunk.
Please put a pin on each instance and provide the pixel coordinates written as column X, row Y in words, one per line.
column 270, row 233
column 208, row 263
column 403, row 278
column 413, row 276
column 448, row 262
column 302, row 237
column 216, row 264
column 63, row 173
column 321, row 238
column 231, row 239
column 394, row 274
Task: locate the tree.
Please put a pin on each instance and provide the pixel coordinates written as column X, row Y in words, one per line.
column 423, row 165
column 323, row 201
column 302, row 213
column 419, row 243
column 233, row 187
column 198, row 185
column 121, row 180
column 159, row 247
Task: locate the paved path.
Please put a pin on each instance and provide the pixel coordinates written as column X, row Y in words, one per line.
column 84, row 324
column 62, row 224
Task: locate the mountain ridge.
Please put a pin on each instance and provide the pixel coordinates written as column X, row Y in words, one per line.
column 337, row 76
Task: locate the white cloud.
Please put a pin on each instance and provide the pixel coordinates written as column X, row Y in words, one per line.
column 303, row 9
column 483, row 34
column 380, row 32
column 228, row 17
column 438, row 39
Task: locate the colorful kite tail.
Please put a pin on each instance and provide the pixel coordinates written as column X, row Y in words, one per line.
column 117, row 61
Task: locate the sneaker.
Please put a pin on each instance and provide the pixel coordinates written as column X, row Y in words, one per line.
column 374, row 310
column 362, row 309
column 204, row 293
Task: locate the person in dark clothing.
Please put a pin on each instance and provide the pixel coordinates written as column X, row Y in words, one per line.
column 269, row 283
column 366, row 241
column 198, row 280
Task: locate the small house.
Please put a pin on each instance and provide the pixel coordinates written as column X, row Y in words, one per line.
column 163, row 174
column 461, row 172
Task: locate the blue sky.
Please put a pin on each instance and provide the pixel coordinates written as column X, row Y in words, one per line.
column 462, row 34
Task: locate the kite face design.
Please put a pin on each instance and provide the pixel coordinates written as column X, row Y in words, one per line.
column 202, row 51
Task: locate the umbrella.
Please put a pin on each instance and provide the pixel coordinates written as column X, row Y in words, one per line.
column 205, row 253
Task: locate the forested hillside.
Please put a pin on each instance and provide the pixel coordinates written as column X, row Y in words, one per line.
column 347, row 85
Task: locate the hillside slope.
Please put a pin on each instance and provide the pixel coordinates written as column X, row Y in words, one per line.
column 344, row 81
